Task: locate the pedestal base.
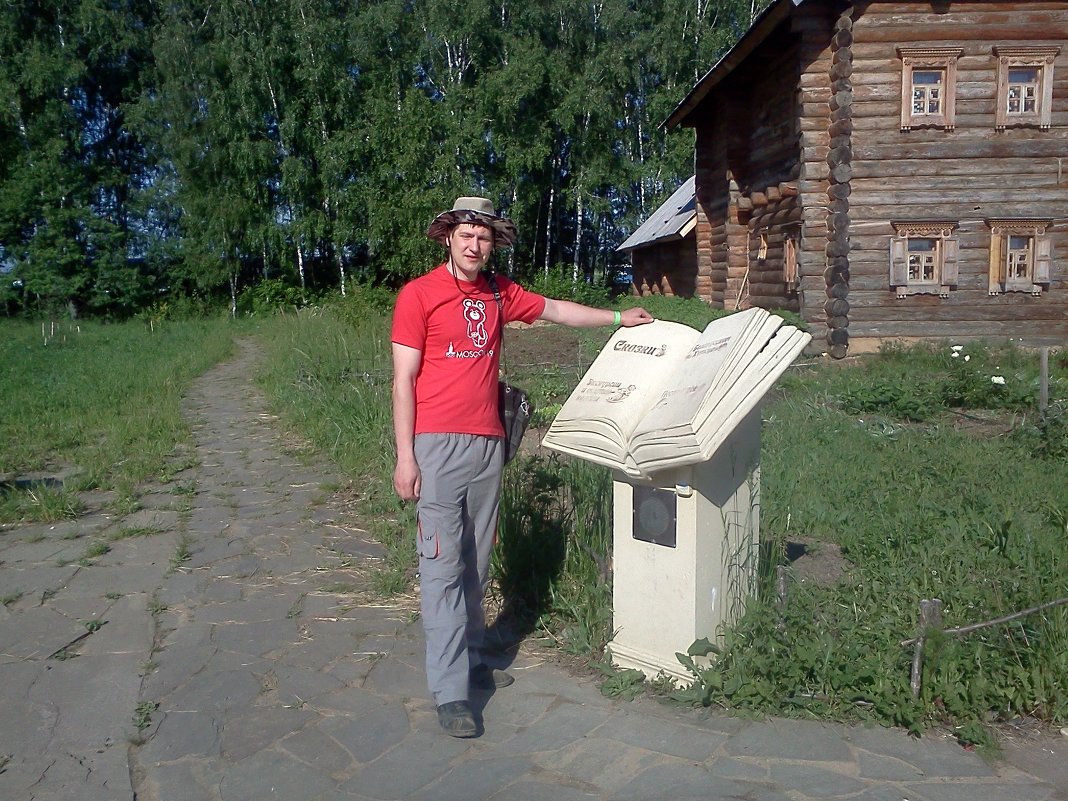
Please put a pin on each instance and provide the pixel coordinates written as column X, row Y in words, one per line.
column 664, row 597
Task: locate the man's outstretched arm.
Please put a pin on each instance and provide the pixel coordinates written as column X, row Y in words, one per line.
column 566, row 312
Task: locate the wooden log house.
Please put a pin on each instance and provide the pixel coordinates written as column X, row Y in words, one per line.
column 662, row 253
column 889, row 169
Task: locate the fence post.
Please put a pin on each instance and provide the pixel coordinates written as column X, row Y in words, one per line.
column 781, row 579
column 1043, row 381
column 930, row 618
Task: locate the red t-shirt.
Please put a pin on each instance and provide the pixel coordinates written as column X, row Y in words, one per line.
column 456, row 324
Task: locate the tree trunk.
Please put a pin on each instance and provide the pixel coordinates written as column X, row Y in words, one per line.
column 578, row 240
column 549, row 220
column 233, row 294
column 300, row 269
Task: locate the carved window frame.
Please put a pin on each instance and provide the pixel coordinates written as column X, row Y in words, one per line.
column 1040, row 260
column 945, row 277
column 1040, row 57
column 920, row 59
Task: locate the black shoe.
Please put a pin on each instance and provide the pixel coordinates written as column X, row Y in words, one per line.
column 483, row 677
column 457, row 719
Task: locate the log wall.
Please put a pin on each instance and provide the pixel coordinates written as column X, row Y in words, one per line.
column 666, row 268
column 967, row 174
column 812, row 25
column 747, row 170
column 710, row 165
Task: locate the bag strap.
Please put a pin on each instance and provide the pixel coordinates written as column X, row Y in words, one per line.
column 491, row 277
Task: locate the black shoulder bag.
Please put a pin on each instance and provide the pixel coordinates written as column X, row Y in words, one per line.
column 514, row 404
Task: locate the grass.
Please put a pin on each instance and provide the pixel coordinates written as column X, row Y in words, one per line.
column 182, row 552
column 129, row 532
column 92, row 551
column 339, row 588
column 155, row 606
column 932, row 479
column 935, row 482
column 75, row 406
column 38, row 503
column 328, row 375
column 142, row 716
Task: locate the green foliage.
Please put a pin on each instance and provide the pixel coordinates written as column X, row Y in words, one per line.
column 626, row 684
column 77, row 398
column 363, row 302
column 328, row 374
column 914, row 401
column 937, row 510
column 1047, row 436
column 241, row 142
column 142, row 716
column 69, row 167
column 558, row 283
column 920, row 382
column 268, row 296
column 552, row 563
column 179, row 306
column 37, row 501
column 968, row 506
column 689, row 311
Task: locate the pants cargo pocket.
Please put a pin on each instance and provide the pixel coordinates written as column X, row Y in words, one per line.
column 427, row 543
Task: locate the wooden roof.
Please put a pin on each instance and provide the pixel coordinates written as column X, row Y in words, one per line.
column 762, row 26
column 674, row 219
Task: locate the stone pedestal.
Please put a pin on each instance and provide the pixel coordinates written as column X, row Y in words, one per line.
column 685, row 552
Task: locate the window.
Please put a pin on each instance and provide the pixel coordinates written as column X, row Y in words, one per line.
column 923, row 258
column 1023, row 91
column 1025, row 86
column 927, row 92
column 928, row 87
column 1020, row 256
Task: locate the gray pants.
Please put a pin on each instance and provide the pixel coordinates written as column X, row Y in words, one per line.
column 458, row 502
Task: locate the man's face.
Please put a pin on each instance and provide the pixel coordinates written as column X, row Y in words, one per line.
column 470, row 246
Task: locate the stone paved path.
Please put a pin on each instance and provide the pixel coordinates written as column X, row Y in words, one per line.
column 208, row 656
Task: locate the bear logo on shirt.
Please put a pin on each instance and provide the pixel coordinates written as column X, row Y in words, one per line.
column 475, row 314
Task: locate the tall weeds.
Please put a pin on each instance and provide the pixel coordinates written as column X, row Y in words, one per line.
column 932, row 479
column 328, row 373
column 97, row 404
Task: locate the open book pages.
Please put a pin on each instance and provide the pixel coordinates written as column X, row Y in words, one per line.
column 665, row 395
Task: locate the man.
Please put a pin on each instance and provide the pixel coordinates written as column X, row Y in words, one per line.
column 447, row 334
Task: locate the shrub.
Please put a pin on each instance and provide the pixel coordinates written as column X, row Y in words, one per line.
column 363, row 302
column 269, row 295
column 557, row 283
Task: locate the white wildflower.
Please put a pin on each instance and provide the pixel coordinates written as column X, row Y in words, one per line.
column 957, row 347
column 954, row 354
column 997, row 379
column 967, row 358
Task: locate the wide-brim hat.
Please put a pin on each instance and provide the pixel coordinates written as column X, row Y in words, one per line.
column 477, row 211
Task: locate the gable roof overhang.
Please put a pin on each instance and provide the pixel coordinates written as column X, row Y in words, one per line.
column 674, row 220
column 765, row 23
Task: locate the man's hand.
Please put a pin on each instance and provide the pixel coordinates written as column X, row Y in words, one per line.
column 407, row 480
column 632, row 317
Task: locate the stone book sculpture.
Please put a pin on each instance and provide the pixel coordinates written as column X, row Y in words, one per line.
column 666, row 395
